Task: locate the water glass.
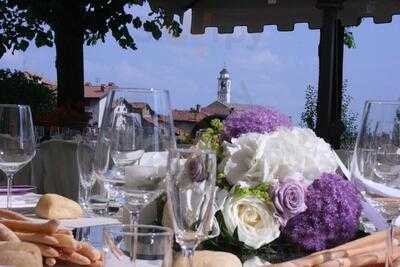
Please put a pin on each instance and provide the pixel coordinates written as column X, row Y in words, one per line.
column 85, row 160
column 136, row 134
column 375, row 167
column 143, row 246
column 191, row 193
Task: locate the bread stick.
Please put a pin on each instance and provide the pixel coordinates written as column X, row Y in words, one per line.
column 65, row 232
column 38, row 238
column 98, row 263
column 75, row 258
column 7, row 235
column 88, row 251
column 49, row 227
column 50, row 261
column 47, row 251
column 12, row 215
column 67, row 241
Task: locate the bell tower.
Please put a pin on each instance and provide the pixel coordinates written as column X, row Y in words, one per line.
column 224, row 87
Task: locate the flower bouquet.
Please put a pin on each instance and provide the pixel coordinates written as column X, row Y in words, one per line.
column 279, row 195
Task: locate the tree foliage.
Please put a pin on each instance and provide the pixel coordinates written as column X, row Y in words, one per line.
column 349, row 118
column 348, row 39
column 23, row 21
column 26, row 89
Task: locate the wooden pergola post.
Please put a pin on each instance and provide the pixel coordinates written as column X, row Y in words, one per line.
column 329, row 108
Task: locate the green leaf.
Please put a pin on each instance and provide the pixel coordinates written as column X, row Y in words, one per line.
column 260, row 191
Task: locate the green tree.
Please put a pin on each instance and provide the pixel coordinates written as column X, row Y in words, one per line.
column 349, row 118
column 22, row 88
column 70, row 24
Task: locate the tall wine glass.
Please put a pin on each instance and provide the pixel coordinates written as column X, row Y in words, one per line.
column 375, row 166
column 191, row 192
column 17, row 141
column 142, row 180
column 85, row 160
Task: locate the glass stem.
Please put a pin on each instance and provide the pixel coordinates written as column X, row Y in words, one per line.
column 389, row 245
column 10, row 177
column 188, row 253
column 86, row 197
column 134, row 214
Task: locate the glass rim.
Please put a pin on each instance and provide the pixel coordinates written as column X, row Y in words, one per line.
column 140, row 90
column 164, row 231
column 389, row 102
column 14, row 106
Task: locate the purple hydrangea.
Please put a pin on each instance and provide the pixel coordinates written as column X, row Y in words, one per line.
column 257, row 119
column 332, row 215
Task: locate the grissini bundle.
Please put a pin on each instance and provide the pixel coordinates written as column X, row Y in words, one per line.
column 67, row 241
column 48, row 251
column 75, row 258
column 12, row 215
column 50, row 227
column 38, row 238
column 363, row 245
column 371, row 258
column 88, row 251
column 7, row 235
column 51, row 243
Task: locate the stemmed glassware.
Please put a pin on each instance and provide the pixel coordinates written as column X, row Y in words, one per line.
column 191, row 193
column 136, row 134
column 375, row 167
column 17, row 141
column 85, row 160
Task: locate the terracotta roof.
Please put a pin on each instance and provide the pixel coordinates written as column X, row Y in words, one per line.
column 188, row 115
column 216, row 111
column 98, row 91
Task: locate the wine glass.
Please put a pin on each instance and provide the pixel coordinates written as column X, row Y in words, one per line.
column 136, row 133
column 375, row 167
column 85, row 160
column 17, row 141
column 191, row 192
column 147, row 246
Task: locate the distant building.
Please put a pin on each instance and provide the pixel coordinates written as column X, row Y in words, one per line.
column 186, row 121
column 189, row 121
column 224, row 87
column 93, row 94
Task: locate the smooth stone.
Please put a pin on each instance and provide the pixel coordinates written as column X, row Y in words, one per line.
column 206, row 258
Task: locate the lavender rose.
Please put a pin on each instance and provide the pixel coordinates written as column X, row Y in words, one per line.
column 289, row 197
column 195, row 168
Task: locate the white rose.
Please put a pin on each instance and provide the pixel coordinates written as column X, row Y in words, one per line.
column 255, row 223
column 245, row 159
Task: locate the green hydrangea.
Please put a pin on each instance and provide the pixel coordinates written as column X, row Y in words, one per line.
column 211, row 138
column 260, row 191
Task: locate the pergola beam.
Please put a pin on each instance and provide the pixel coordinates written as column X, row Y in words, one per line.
column 329, row 107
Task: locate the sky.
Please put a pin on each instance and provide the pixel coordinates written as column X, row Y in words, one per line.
column 270, row 68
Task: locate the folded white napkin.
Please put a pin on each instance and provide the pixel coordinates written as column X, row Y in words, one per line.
column 80, row 222
column 20, row 201
column 366, row 184
column 151, row 164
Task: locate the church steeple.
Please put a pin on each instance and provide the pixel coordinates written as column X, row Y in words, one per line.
column 224, row 87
